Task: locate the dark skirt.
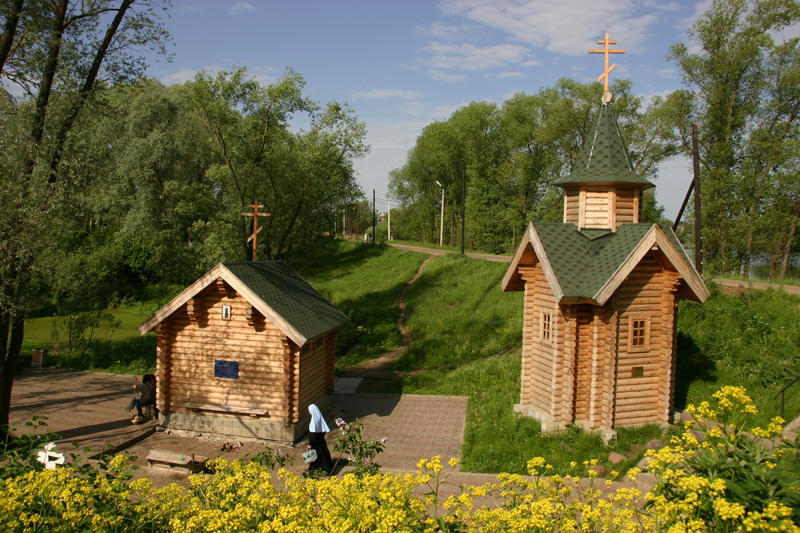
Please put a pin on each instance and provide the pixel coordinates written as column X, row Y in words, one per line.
column 323, row 460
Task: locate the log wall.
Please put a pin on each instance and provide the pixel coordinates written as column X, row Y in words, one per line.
column 601, row 207
column 196, row 335
column 540, row 373
column 644, row 376
column 316, row 370
column 627, row 207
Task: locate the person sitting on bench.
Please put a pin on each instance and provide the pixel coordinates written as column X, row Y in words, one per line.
column 144, row 394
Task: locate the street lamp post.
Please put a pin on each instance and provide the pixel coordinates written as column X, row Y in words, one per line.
column 441, row 217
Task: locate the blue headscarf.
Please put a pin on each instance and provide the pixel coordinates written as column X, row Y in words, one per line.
column 317, row 424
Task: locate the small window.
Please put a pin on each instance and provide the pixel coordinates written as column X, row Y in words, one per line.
column 639, row 334
column 226, row 312
column 547, row 326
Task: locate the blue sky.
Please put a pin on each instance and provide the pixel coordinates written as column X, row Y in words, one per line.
column 403, row 64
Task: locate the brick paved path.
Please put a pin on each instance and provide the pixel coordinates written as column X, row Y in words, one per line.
column 88, row 408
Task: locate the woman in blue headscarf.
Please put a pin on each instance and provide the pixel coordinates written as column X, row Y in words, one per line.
column 317, row 429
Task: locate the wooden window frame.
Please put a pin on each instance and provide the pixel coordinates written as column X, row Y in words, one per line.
column 632, row 328
column 226, row 312
column 546, row 326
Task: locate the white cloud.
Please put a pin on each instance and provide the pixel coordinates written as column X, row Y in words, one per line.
column 264, row 75
column 241, row 7
column 466, row 56
column 178, row 77
column 647, row 99
column 443, row 112
column 560, row 27
column 449, row 32
column 510, row 75
column 666, row 73
column 415, row 108
column 382, row 94
column 442, row 76
column 511, row 94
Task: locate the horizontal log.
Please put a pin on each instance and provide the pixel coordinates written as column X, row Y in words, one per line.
column 630, row 419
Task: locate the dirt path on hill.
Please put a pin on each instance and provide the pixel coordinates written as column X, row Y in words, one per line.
column 375, row 373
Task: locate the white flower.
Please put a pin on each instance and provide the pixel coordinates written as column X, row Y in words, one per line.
column 50, row 458
column 384, row 440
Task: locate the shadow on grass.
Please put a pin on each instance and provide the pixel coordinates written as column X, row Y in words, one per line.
column 134, row 355
column 691, row 365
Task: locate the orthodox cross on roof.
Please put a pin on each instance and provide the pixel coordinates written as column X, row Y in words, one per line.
column 256, row 228
column 604, row 76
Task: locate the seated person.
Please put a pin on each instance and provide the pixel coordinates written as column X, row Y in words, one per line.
column 144, row 394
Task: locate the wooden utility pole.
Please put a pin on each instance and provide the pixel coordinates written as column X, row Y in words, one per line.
column 256, row 228
column 698, row 235
column 694, row 185
column 373, row 216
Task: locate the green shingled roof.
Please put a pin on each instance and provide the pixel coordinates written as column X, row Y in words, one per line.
column 583, row 261
column 604, row 158
column 290, row 296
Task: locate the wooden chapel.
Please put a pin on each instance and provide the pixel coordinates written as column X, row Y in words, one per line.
column 601, row 292
column 243, row 351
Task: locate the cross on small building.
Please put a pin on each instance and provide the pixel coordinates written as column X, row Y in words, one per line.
column 256, row 228
column 604, row 76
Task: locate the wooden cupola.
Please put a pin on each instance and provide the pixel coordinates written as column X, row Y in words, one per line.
column 603, row 191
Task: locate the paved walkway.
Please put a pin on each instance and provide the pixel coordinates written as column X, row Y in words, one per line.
column 88, row 409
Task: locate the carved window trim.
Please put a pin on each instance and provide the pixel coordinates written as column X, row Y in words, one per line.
column 639, row 333
column 546, row 326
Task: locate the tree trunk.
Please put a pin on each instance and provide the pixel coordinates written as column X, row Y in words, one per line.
column 45, row 87
column 88, row 84
column 10, row 29
column 748, row 251
column 788, row 248
column 9, row 365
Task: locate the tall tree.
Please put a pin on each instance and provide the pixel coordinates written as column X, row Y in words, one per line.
column 746, row 102
column 65, row 44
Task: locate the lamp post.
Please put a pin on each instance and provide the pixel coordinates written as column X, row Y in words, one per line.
column 441, row 217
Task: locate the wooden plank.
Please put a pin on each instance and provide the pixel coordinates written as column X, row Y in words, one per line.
column 233, row 409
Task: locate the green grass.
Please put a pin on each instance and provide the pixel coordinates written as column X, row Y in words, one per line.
column 457, row 313
column 364, row 282
column 750, row 339
column 117, row 349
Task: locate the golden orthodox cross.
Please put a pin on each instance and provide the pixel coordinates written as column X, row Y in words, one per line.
column 605, row 51
column 256, row 228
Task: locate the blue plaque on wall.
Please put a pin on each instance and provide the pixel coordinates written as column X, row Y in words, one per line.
column 226, row 369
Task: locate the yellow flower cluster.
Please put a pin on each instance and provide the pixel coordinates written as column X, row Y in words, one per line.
column 250, row 497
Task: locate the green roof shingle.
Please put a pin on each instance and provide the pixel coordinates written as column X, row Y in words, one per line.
column 584, row 261
column 290, row 296
column 604, row 157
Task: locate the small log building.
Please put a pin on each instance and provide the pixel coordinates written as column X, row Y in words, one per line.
column 243, row 351
column 601, row 292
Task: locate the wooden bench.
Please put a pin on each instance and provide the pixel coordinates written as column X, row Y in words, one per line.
column 176, row 460
column 249, row 411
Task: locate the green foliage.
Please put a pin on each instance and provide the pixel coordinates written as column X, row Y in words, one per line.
column 744, row 101
column 365, row 283
column 456, row 313
column 509, row 157
column 269, row 458
column 756, row 334
column 357, row 449
column 18, row 453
